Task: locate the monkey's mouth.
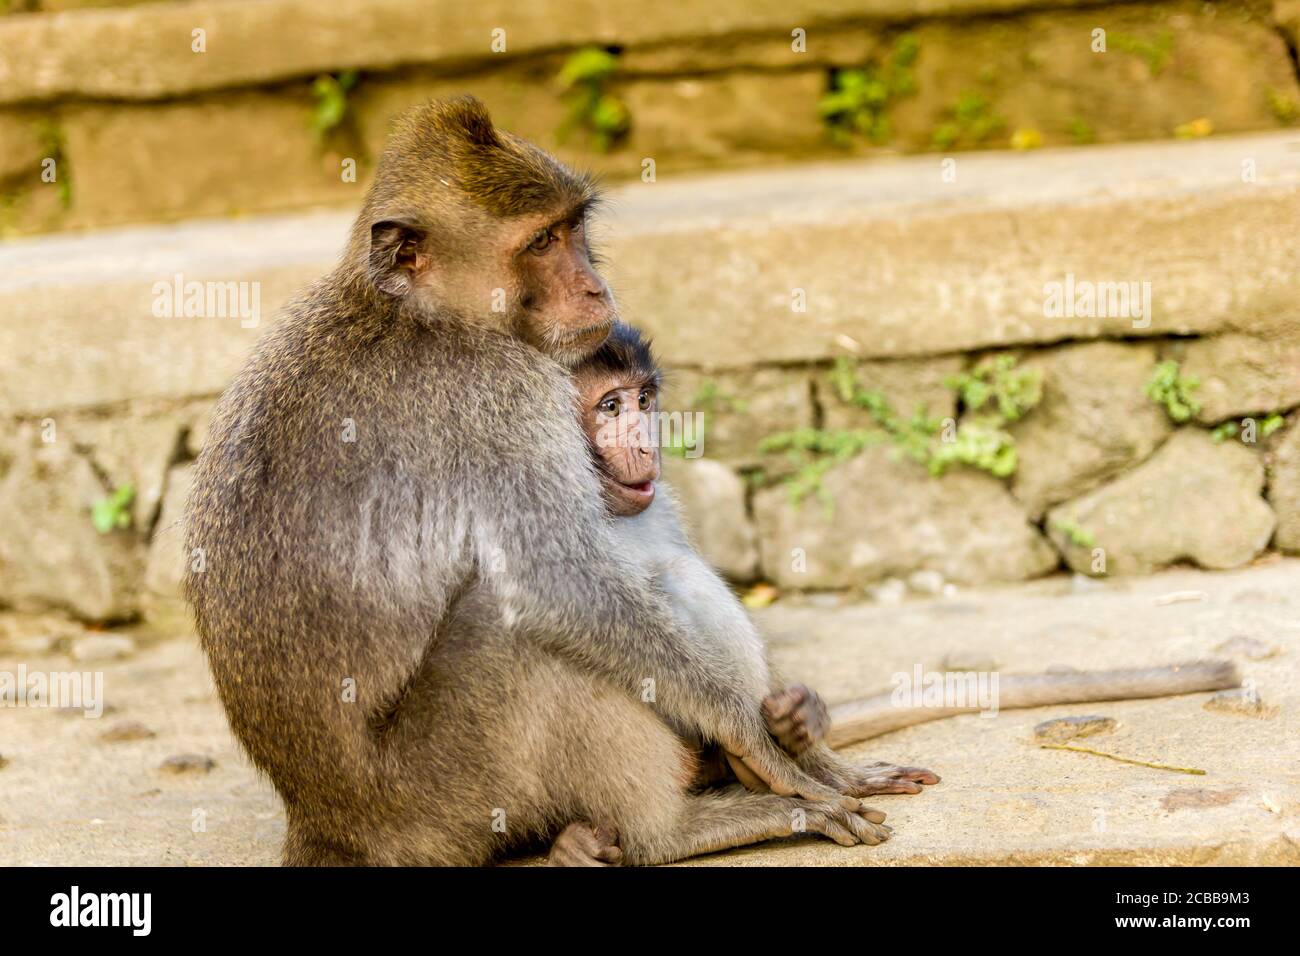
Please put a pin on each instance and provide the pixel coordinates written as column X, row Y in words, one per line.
column 630, row 497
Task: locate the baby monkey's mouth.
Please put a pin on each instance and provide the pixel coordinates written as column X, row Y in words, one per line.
column 629, row 498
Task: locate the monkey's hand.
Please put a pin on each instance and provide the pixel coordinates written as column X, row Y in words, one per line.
column 796, row 717
column 862, row 780
column 761, row 766
column 581, row 844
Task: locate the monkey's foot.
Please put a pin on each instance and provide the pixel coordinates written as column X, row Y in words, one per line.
column 582, row 844
column 863, row 780
column 845, row 827
column 873, row 778
column 796, row 717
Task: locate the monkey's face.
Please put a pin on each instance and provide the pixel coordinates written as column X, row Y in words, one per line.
column 469, row 222
column 618, row 417
column 565, row 307
column 532, row 276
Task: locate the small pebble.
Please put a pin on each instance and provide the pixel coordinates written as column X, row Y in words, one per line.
column 889, row 591
column 187, row 763
column 1178, row 597
column 4, row 761
column 926, row 582
column 131, row 730
column 101, row 647
column 1062, row 729
column 1239, row 700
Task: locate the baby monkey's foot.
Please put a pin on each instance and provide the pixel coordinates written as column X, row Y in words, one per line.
column 873, row 778
column 796, row 717
column 845, row 827
column 582, row 844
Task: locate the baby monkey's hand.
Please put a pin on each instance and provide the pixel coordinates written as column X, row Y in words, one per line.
column 796, row 717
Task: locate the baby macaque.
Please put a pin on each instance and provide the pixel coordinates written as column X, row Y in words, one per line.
column 618, row 392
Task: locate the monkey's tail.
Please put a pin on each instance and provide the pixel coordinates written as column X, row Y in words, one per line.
column 862, row 719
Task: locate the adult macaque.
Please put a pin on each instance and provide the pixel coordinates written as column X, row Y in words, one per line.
column 417, row 617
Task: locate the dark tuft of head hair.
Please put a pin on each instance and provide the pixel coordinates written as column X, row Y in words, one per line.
column 626, row 353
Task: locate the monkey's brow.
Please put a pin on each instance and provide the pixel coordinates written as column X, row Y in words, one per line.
column 578, row 211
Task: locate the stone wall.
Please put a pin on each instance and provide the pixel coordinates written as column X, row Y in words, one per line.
column 825, row 304
column 143, row 128
column 1107, row 483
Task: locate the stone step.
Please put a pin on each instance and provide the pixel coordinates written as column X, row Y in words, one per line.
column 142, row 127
column 907, row 257
column 144, row 52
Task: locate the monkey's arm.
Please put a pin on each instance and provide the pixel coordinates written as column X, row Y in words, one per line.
column 862, row 719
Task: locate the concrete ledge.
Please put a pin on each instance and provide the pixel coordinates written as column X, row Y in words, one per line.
column 144, row 52
column 1002, row 800
column 894, row 262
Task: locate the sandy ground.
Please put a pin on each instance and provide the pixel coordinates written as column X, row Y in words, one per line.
column 70, row 796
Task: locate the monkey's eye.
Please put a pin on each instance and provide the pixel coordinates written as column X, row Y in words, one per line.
column 645, row 399
column 608, row 405
column 541, row 241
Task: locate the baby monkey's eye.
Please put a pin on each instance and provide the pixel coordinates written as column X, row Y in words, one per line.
column 609, row 406
column 541, row 241
column 645, row 399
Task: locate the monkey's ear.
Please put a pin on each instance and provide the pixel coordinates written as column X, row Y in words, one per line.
column 397, row 255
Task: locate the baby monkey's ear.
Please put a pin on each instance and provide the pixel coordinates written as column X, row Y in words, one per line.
column 397, row 255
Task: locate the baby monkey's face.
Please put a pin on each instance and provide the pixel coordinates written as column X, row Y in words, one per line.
column 619, row 418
